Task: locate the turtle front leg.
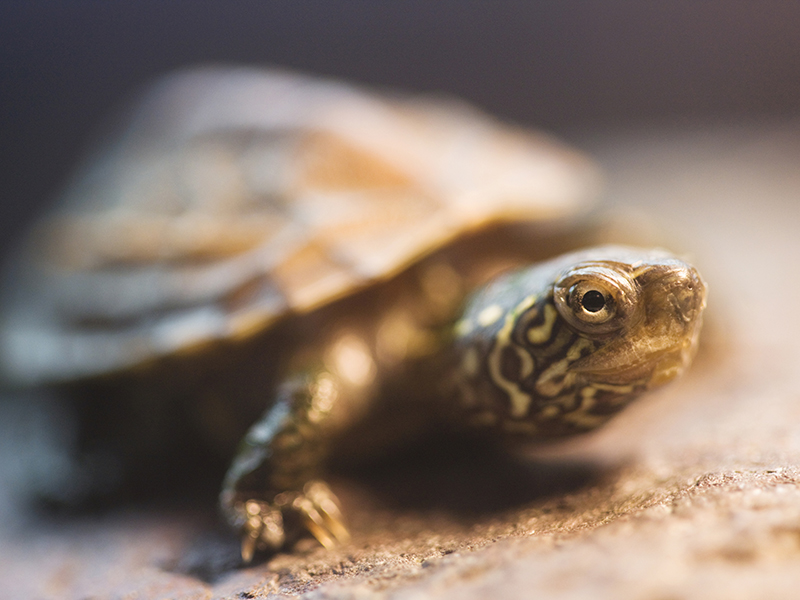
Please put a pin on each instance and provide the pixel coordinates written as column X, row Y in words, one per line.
column 262, row 523
column 272, row 490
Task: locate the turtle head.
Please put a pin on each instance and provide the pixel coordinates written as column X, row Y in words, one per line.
column 568, row 343
column 644, row 317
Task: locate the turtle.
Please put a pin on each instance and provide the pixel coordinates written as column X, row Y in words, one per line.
column 323, row 270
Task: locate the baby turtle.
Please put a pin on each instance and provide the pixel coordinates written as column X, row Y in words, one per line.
column 265, row 240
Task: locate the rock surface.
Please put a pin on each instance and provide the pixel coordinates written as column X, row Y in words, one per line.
column 693, row 493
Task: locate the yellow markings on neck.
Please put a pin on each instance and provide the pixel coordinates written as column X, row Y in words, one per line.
column 581, row 417
column 612, row 387
column 551, row 411
column 490, row 315
column 542, row 333
column 555, row 378
column 585, row 420
column 464, row 327
column 581, row 344
column 520, row 400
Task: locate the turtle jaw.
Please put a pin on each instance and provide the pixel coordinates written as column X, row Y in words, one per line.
column 638, row 363
column 661, row 346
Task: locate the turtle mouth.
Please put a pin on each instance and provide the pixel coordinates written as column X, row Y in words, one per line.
column 629, row 365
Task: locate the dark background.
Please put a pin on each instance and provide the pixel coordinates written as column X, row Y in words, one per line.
column 567, row 65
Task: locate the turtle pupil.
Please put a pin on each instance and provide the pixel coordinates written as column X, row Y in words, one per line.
column 593, row 301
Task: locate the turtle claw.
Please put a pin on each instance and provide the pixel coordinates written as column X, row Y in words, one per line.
column 318, row 509
column 263, row 529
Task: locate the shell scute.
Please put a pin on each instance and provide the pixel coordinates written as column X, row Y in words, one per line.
column 235, row 196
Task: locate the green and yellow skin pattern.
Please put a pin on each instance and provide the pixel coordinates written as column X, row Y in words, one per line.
column 548, row 350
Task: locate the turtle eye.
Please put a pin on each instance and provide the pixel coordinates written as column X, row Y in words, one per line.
column 590, row 302
column 596, row 298
column 593, row 301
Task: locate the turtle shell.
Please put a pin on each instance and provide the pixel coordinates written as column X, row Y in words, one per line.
column 235, row 196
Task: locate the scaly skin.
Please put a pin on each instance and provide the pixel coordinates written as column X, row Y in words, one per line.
column 552, row 349
column 284, row 450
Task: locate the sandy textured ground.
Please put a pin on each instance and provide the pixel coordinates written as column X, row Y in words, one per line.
column 691, row 494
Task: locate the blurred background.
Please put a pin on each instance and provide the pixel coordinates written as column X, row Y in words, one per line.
column 565, row 65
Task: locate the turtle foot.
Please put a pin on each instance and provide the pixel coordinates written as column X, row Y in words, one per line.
column 316, row 506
